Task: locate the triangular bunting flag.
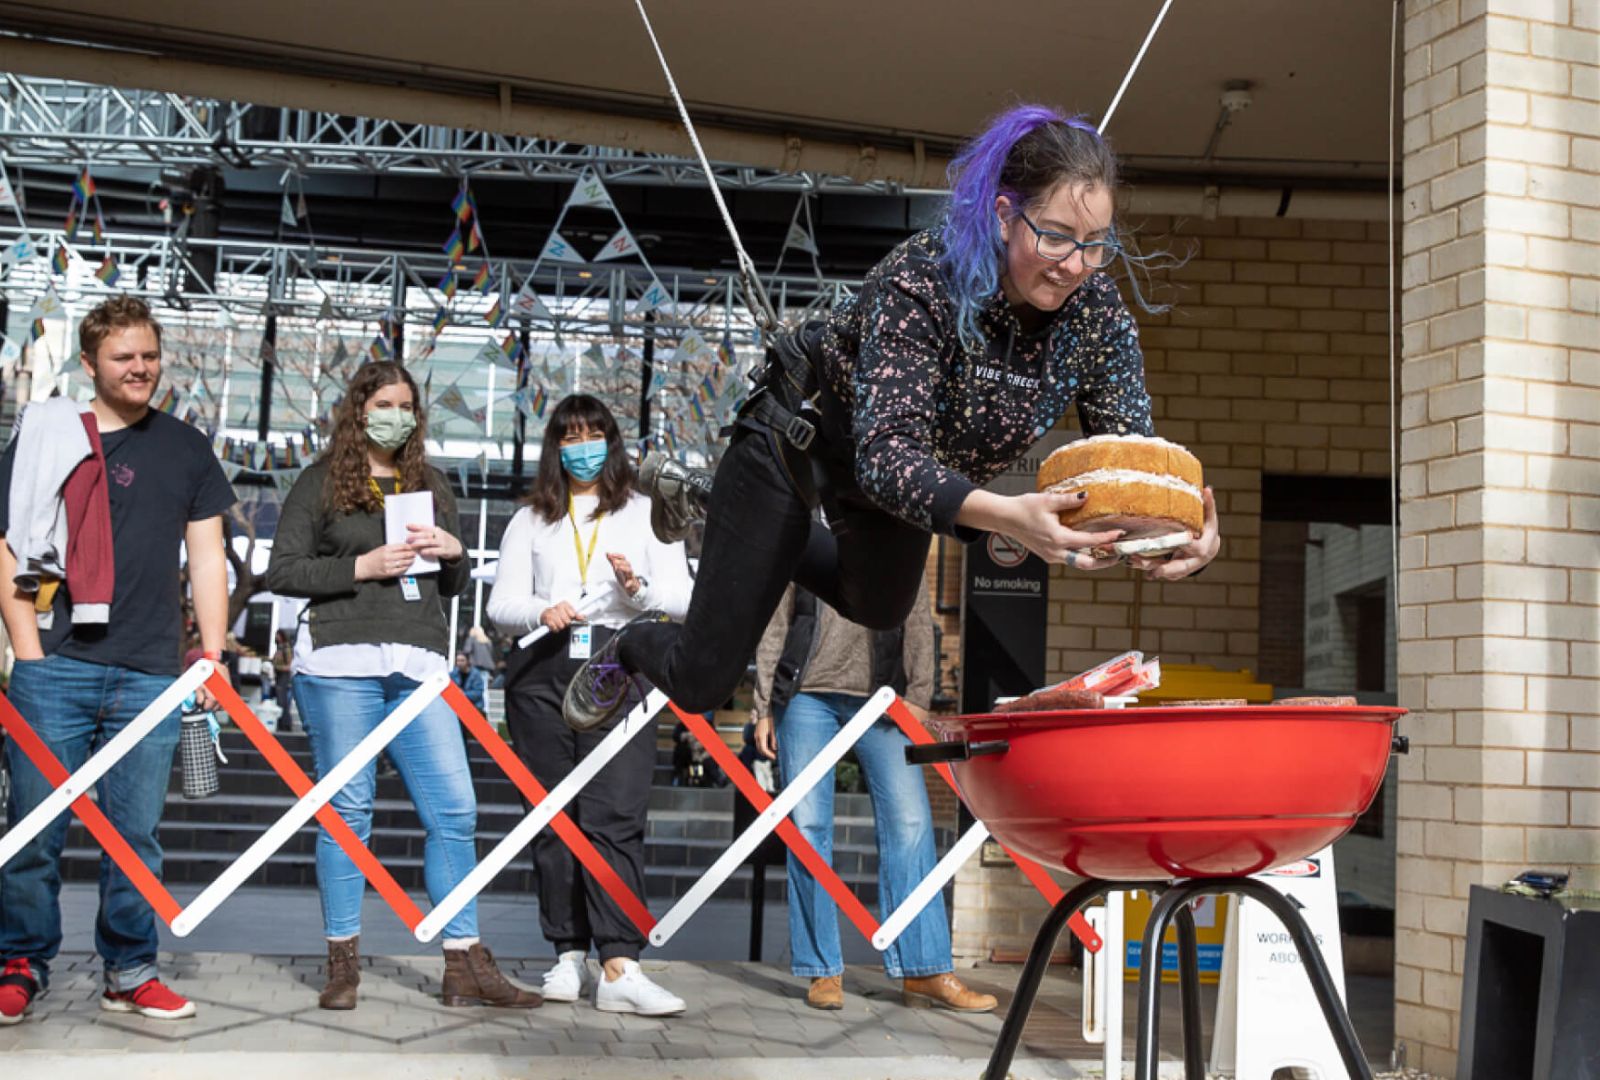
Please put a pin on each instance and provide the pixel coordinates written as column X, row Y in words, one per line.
column 8, row 195
column 224, row 320
column 654, row 297
column 18, row 251
column 286, row 213
column 799, row 238
column 692, row 347
column 556, row 249
column 325, row 312
column 48, row 306
column 527, row 303
column 619, row 246
column 590, row 191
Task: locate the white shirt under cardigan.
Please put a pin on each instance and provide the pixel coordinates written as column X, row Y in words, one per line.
column 539, row 567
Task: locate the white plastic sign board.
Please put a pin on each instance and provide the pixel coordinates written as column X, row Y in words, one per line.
column 1267, row 1016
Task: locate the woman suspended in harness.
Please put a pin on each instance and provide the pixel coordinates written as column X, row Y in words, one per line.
column 964, row 347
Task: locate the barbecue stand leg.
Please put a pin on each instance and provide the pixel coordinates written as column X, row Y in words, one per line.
column 1194, row 1063
column 1033, row 972
column 1316, row 969
column 1147, row 1040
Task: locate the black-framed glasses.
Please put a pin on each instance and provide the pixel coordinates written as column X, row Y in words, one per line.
column 1055, row 247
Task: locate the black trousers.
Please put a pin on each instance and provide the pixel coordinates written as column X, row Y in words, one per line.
column 760, row 535
column 574, row 911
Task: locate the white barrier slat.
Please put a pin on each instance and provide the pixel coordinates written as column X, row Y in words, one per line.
column 91, row 771
column 539, row 817
column 306, row 807
column 594, row 601
column 816, row 770
column 929, row 887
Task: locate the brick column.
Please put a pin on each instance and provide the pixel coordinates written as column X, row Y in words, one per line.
column 1499, row 632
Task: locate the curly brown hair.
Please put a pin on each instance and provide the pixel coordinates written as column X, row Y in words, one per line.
column 346, row 489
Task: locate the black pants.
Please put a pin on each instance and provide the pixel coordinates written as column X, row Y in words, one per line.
column 760, row 535
column 574, row 911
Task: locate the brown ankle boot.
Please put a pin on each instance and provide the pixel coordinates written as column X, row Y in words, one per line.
column 344, row 975
column 946, row 992
column 826, row 992
column 471, row 978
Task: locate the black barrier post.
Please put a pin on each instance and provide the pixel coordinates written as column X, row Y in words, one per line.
column 770, row 850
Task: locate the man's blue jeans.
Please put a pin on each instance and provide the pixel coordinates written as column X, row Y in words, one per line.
column 77, row 707
column 904, row 834
column 430, row 754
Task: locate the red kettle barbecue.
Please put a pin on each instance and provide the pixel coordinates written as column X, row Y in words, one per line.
column 1197, row 797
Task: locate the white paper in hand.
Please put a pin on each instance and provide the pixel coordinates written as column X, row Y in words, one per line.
column 409, row 508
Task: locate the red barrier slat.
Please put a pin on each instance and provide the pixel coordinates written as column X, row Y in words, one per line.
column 299, row 783
column 99, row 826
column 787, row 831
column 603, row 873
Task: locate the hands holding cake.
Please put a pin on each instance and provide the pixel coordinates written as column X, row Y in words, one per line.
column 1109, row 499
column 1146, row 491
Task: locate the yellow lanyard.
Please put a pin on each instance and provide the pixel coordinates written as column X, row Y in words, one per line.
column 378, row 491
column 577, row 542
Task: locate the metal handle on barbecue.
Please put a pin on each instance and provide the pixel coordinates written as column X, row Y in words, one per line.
column 1401, row 745
column 941, row 753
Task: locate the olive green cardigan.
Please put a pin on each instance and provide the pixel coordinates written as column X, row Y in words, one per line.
column 314, row 555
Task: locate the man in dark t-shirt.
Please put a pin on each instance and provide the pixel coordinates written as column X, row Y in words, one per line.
column 78, row 685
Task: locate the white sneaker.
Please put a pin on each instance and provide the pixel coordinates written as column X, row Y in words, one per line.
column 569, row 980
column 634, row 993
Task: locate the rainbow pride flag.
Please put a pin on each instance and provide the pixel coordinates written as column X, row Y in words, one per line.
column 109, row 273
column 453, row 247
column 480, row 280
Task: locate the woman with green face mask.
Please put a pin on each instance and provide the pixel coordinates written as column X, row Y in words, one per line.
column 372, row 632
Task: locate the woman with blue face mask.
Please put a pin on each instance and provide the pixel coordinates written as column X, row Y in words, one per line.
column 581, row 561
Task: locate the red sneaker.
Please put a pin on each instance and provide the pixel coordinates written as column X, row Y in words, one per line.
column 149, row 999
column 17, row 989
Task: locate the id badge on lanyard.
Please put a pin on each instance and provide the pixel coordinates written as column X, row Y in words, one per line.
column 409, row 588
column 580, row 644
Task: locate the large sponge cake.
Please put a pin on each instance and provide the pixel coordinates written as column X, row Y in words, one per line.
column 1142, row 485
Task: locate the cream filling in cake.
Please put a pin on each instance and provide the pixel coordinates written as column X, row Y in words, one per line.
column 1124, row 476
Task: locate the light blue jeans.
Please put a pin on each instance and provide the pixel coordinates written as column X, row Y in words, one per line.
column 904, row 833
column 430, row 754
column 76, row 707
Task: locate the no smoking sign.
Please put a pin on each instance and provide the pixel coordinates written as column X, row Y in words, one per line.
column 1006, row 552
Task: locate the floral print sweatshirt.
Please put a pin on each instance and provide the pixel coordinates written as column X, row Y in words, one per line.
column 932, row 420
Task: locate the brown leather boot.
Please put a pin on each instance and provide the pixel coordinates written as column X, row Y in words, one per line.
column 471, row 978
column 826, row 992
column 344, row 975
column 946, row 992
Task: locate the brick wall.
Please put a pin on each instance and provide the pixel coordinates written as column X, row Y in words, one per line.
column 1500, row 589
column 1274, row 358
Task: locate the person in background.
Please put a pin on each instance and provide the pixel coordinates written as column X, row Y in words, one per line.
column 480, row 650
column 579, row 561
column 91, row 657
column 371, row 634
column 282, row 677
column 471, row 680
column 814, row 671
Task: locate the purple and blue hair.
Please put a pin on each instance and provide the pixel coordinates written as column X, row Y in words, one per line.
column 973, row 250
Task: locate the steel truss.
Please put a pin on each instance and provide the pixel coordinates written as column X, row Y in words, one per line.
column 64, row 123
column 368, row 284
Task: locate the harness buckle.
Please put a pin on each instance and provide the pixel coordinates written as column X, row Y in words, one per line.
column 799, row 431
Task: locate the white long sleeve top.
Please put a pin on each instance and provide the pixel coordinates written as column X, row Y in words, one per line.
column 539, row 567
